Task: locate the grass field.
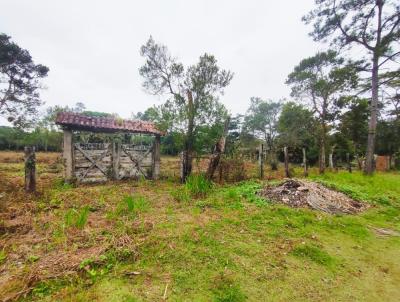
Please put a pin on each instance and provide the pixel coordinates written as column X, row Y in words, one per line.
column 156, row 241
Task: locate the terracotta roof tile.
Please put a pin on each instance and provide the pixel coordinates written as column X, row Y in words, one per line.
column 105, row 124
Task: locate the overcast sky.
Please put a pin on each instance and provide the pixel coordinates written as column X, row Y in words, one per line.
column 92, row 47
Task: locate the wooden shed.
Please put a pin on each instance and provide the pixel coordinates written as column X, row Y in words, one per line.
column 110, row 159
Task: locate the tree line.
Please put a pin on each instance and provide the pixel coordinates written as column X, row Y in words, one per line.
column 341, row 103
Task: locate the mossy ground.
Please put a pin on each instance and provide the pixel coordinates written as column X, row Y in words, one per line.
column 225, row 244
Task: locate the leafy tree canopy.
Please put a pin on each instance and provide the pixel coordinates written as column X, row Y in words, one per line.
column 19, row 83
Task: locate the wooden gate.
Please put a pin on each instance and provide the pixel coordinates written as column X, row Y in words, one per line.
column 96, row 162
column 133, row 161
column 92, row 162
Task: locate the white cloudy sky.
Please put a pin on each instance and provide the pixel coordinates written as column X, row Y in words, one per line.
column 92, row 47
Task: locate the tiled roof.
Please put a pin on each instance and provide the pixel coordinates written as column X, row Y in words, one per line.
column 104, row 124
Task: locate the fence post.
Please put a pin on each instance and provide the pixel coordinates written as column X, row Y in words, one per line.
column 68, row 154
column 30, row 169
column 305, row 163
column 286, row 154
column 348, row 162
column 261, row 160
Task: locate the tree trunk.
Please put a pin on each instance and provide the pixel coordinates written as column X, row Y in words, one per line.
column 359, row 162
column 286, row 154
column 187, row 158
column 30, row 169
column 305, row 163
column 369, row 160
column 331, row 161
column 348, row 162
column 273, row 159
column 322, row 160
column 219, row 148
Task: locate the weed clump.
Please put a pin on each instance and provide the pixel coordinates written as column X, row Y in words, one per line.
column 77, row 218
column 132, row 205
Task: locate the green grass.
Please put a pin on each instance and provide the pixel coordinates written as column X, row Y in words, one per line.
column 315, row 254
column 381, row 188
column 224, row 243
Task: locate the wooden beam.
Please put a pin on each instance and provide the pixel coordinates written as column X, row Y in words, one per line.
column 68, row 155
column 156, row 157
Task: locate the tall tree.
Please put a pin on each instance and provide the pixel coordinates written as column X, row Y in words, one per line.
column 320, row 80
column 296, row 126
column 193, row 91
column 19, row 82
column 353, row 124
column 373, row 25
column 261, row 119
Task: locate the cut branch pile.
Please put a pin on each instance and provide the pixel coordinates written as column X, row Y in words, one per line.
column 295, row 193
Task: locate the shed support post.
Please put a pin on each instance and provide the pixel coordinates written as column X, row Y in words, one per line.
column 68, row 155
column 156, row 157
column 116, row 154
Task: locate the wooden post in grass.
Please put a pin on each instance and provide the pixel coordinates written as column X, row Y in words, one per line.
column 30, row 169
column 261, row 160
column 286, row 155
column 305, row 163
column 68, row 155
column 348, row 162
